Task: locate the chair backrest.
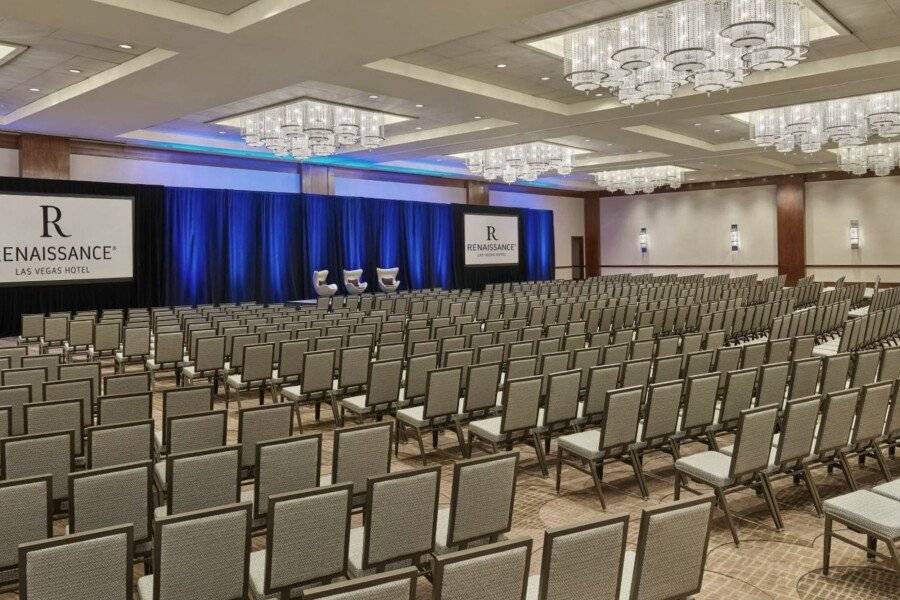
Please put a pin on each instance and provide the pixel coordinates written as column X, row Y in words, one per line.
column 83, row 566
column 112, row 496
column 307, row 538
column 667, row 368
column 497, row 570
column 671, row 550
column 78, row 371
column 120, row 443
column 804, row 377
column 209, row 353
column 30, row 376
column 195, row 431
column 865, row 368
column 442, row 392
column 169, row 348
column 400, row 516
column 257, row 362
column 318, row 371
column 126, row 383
column 354, row 366
column 835, row 425
column 285, row 465
column 889, row 368
column 835, row 373
column 636, row 372
column 521, row 402
column 185, row 401
column 361, row 452
column 59, row 415
column 753, row 442
column 416, row 374
column 584, row 561
column 15, row 354
column 561, row 405
column 739, row 387
column 700, row 402
column 482, row 383
column 773, row 379
column 260, row 423
column 399, row 584
column 137, row 342
column 124, row 408
column 663, row 402
column 620, row 421
column 26, row 514
column 798, row 429
column 481, row 504
column 601, row 379
column 75, row 389
column 50, row 361
column 40, row 454
column 871, row 412
column 15, row 397
column 203, row 479
column 107, row 336
column 179, row 571
column 753, row 355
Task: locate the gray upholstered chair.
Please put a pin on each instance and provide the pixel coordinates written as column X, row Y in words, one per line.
column 73, row 389
column 835, row 428
column 15, row 397
column 209, row 360
column 81, row 370
column 393, row 585
column 497, row 570
column 482, row 394
column 353, row 282
column 32, row 327
column 260, row 423
column 804, row 377
column 107, row 338
column 14, row 354
column 59, row 415
column 671, row 553
column 360, row 452
column 79, row 338
column 5, row 421
column 865, row 368
column 83, row 566
column 120, row 443
column 699, row 411
column 439, row 411
column 387, row 279
column 127, row 383
column 49, row 361
column 283, row 465
column 196, row 431
column 40, row 454
column 181, row 566
column 382, row 391
column 112, row 496
column 416, row 374
column 399, row 522
column 26, row 515
column 56, row 330
column 746, row 468
column 200, row 480
column 660, row 424
column 306, row 542
column 33, row 377
column 353, row 369
column 868, row 426
column 601, row 379
column 316, row 384
column 168, row 353
column 181, row 401
column 581, row 561
column 321, row 286
column 256, row 371
column 124, row 408
column 135, row 347
column 481, row 503
column 737, row 396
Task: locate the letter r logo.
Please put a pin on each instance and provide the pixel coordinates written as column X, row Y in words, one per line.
column 48, row 221
column 491, row 233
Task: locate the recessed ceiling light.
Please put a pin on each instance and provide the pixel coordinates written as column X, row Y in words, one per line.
column 418, row 129
column 545, row 78
column 587, row 139
column 420, row 105
column 696, row 124
column 34, row 89
column 639, row 151
column 501, row 66
column 126, row 46
column 598, row 94
column 373, row 97
column 477, row 116
column 716, row 130
column 76, row 71
column 221, row 133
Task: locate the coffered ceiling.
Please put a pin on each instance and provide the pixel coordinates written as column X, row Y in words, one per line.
column 432, row 63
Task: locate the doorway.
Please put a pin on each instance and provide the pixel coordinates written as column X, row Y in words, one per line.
column 577, row 257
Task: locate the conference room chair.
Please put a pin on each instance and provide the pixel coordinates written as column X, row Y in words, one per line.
column 560, row 410
column 835, row 372
column 353, row 282
column 200, row 480
column 772, row 381
column 135, row 347
column 168, row 353
column 81, row 389
column 865, row 368
column 316, row 385
column 83, row 566
column 5, row 421
column 55, row 332
column 196, row 431
column 307, row 541
column 106, row 340
column 481, row 502
column 442, row 393
column 399, row 584
column 322, row 288
column 889, row 366
column 601, row 379
column 261, row 423
column 746, row 468
column 670, row 557
column 209, row 361
column 79, row 338
column 128, row 383
column 181, row 571
column 400, row 518
column 177, row 402
column 14, row 398
column 32, row 328
column 614, row 440
column 353, row 369
column 14, row 355
column 737, row 395
column 753, row 355
column 290, row 363
column 40, row 454
column 50, row 362
column 81, row 370
column 698, row 412
column 112, row 496
column 26, row 515
column 868, row 426
column 283, row 465
column 498, row 570
column 124, row 408
column 804, row 377
column 117, row 444
column 57, row 415
column 382, row 391
column 256, row 371
column 581, row 561
column 388, row 281
column 659, row 427
column 359, row 453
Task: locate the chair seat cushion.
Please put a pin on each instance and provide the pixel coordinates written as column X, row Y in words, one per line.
column 890, row 489
column 627, row 575
column 443, row 530
column 709, row 467
column 292, row 392
column 414, row 416
column 356, row 404
column 487, row 429
column 158, row 440
column 145, row 587
column 355, row 556
column 773, row 454
column 159, row 471
column 868, row 511
column 235, row 383
column 585, row 444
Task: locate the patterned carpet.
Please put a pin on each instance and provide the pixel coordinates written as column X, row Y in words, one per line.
column 767, row 564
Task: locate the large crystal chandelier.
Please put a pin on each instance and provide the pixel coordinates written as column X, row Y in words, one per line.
column 879, row 158
column 642, row 179
column 524, row 161
column 847, row 122
column 312, row 128
column 709, row 44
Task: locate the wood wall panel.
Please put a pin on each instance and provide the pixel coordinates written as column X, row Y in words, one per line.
column 791, row 206
column 316, row 179
column 592, row 234
column 477, row 192
column 43, row 156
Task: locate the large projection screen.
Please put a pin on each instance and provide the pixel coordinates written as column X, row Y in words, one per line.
column 65, row 239
column 491, row 239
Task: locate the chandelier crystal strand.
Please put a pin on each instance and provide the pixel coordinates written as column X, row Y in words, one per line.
column 642, row 179
column 710, row 44
column 524, row 161
column 879, row 158
column 846, row 122
column 312, row 128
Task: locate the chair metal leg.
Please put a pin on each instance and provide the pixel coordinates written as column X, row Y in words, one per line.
column 539, row 450
column 871, row 547
column 771, row 501
column 421, row 445
column 723, row 504
column 335, row 413
column 398, row 426
column 677, row 495
column 434, row 437
column 896, row 556
column 639, row 474
column 879, row 458
column 597, row 484
column 297, row 413
column 459, row 436
column 826, row 546
column 813, row 490
column 559, row 466
column 469, row 445
column 845, row 467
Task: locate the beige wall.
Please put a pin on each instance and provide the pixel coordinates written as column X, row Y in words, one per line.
column 351, row 186
column 9, row 162
column 568, row 220
column 830, row 205
column 691, row 228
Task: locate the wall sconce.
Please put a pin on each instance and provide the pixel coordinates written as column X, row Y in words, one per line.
column 854, row 234
column 642, row 240
column 735, row 238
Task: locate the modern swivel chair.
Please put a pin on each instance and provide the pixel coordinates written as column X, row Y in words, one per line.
column 353, row 283
column 387, row 279
column 323, row 290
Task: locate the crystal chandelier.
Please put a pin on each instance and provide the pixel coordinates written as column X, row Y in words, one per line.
column 847, row 122
column 642, row 179
column 880, row 158
column 524, row 161
column 709, row 44
column 312, row 128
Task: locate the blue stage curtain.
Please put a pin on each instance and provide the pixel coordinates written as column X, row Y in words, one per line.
column 283, row 252
column 194, row 255
column 540, row 258
column 242, row 245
